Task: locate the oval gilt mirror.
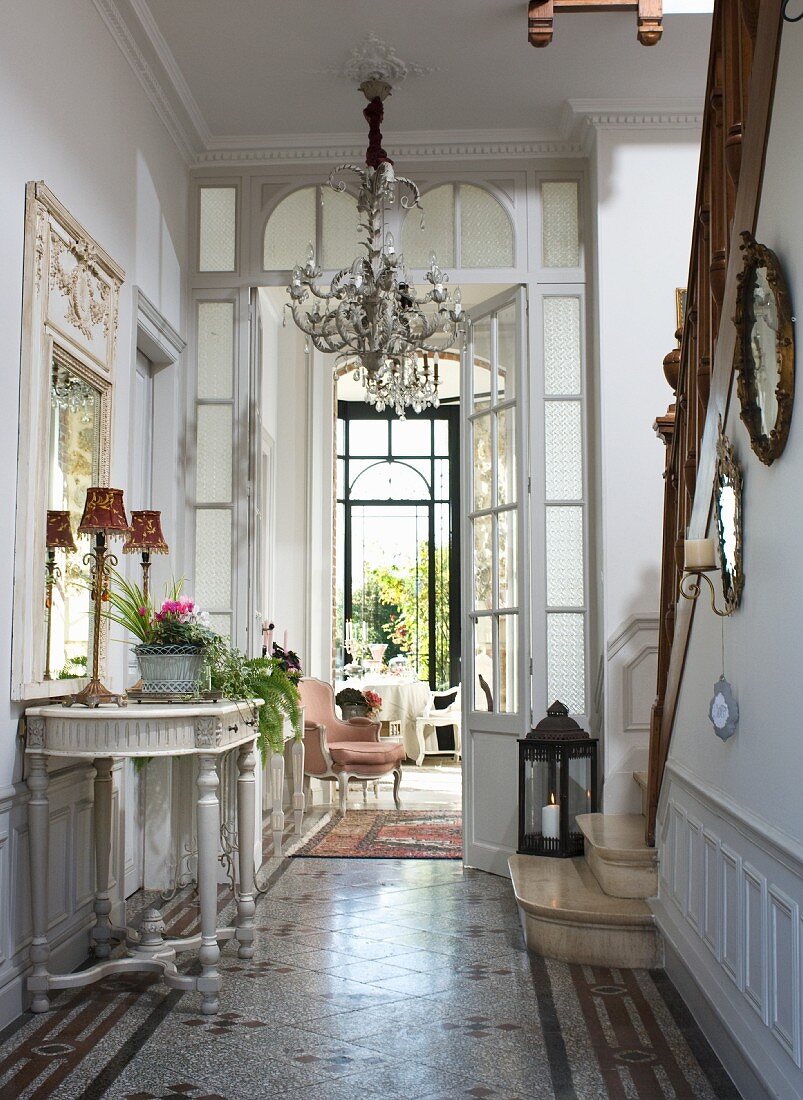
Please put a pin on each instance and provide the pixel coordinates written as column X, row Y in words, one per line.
column 765, row 351
column 728, row 508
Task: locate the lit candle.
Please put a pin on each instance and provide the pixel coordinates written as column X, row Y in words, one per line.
column 550, row 820
column 700, row 555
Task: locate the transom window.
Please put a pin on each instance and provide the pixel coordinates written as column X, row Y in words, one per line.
column 464, row 225
column 313, row 215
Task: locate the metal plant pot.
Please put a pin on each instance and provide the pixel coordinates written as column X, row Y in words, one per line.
column 169, row 668
column 353, row 710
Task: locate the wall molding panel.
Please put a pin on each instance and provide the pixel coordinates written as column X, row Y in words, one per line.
column 630, row 669
column 729, row 906
column 71, row 883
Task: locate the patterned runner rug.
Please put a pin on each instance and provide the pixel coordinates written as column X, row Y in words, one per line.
column 387, row 834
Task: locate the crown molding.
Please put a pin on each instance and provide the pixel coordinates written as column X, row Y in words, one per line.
column 142, row 44
column 582, row 118
column 430, row 145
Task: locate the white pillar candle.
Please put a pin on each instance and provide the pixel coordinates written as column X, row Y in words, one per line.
column 550, row 820
column 700, row 555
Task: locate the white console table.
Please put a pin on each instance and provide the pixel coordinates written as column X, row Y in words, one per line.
column 147, row 730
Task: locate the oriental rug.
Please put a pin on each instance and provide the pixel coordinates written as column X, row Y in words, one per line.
column 387, row 834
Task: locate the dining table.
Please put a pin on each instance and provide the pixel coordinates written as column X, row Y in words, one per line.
column 403, row 700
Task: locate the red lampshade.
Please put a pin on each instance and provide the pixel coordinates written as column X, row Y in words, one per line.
column 104, row 513
column 146, row 533
column 58, row 532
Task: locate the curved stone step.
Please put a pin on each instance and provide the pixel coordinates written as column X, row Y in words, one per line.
column 618, row 855
column 565, row 915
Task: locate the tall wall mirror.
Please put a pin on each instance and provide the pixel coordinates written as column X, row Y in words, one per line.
column 728, row 514
column 69, row 336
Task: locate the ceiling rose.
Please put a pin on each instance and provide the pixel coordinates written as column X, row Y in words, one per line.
column 374, row 59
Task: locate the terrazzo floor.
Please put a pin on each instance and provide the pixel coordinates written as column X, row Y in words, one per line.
column 379, row 979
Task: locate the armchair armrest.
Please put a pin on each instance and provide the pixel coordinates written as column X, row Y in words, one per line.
column 317, row 759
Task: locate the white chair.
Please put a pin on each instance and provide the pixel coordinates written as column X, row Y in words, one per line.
column 434, row 717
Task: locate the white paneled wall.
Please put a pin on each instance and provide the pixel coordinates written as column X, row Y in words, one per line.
column 729, row 903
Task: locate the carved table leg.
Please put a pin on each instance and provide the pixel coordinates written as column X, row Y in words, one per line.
column 208, row 811
column 246, row 809
column 277, row 794
column 38, row 846
column 102, row 932
column 299, row 796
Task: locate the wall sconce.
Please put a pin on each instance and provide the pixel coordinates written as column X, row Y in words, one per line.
column 700, row 559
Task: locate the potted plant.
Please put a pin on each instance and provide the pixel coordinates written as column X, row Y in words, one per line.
column 174, row 640
column 352, row 703
column 374, row 703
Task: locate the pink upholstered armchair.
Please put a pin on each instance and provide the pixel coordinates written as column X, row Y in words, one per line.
column 344, row 750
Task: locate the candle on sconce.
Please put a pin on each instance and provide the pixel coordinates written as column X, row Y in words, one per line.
column 550, row 820
column 700, row 555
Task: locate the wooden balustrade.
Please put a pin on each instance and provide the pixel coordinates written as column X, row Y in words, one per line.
column 744, row 45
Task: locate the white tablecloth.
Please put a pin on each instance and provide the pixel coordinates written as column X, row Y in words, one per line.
column 402, row 701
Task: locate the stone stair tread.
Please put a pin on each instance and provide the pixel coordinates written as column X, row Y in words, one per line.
column 617, row 837
column 566, row 890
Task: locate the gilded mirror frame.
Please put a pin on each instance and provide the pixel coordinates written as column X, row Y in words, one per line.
column 70, row 302
column 757, row 256
column 729, row 472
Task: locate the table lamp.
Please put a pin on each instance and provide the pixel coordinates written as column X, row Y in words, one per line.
column 58, row 535
column 146, row 536
column 104, row 517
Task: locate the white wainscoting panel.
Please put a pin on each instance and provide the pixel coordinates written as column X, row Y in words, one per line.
column 729, row 906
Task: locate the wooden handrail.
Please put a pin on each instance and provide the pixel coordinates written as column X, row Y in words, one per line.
column 745, row 40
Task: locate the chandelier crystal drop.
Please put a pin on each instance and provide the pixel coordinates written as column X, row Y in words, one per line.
column 371, row 316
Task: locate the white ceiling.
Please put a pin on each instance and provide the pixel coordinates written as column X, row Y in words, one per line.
column 264, row 67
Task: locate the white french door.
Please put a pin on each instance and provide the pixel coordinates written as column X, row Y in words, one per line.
column 495, row 598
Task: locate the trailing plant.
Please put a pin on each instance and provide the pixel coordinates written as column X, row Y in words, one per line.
column 236, row 676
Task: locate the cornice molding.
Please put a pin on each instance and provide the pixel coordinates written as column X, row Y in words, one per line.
column 133, row 28
column 430, row 145
column 582, row 118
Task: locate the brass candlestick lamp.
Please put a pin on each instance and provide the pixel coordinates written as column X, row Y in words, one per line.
column 58, row 535
column 104, row 517
column 146, row 536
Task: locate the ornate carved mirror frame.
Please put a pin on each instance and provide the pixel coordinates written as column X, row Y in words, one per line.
column 729, row 477
column 768, row 445
column 71, row 289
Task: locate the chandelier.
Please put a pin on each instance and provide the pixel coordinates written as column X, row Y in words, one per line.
column 371, row 316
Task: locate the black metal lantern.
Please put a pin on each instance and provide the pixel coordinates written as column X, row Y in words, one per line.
column 557, row 781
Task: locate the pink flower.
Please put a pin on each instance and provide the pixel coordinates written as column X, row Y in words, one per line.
column 142, row 612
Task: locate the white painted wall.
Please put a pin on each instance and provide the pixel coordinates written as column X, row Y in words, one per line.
column 76, row 117
column 747, row 792
column 644, row 182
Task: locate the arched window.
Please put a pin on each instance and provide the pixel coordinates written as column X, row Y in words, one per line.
column 317, row 215
column 465, row 226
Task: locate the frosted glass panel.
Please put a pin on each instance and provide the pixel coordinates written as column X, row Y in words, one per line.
column 486, row 238
column 561, row 224
column 215, row 349
column 213, row 478
column 221, row 624
column 483, row 467
column 438, row 233
column 213, row 558
column 483, row 563
column 508, row 569
column 564, row 450
column 218, row 244
column 564, row 557
column 566, row 660
column 508, row 664
column 290, row 228
column 562, row 358
column 339, row 232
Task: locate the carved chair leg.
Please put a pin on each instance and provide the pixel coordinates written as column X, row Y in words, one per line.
column 365, row 790
column 397, row 775
column 343, row 787
column 376, row 788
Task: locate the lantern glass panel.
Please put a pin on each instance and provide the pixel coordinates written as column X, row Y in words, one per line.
column 579, row 790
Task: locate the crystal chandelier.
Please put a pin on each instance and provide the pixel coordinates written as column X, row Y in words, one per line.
column 370, row 316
